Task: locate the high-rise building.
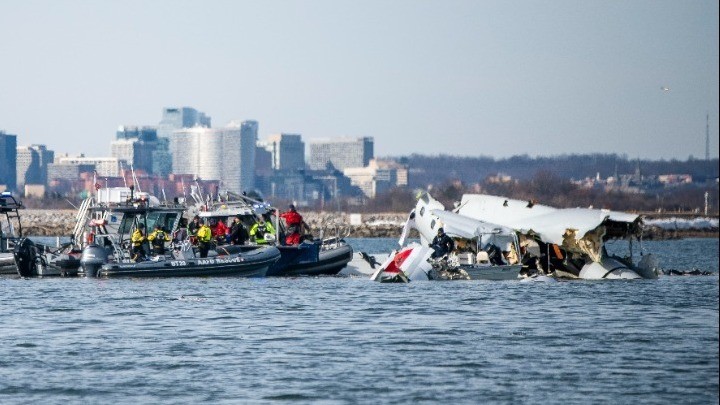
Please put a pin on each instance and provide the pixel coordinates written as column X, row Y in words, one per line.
column 174, row 119
column 67, row 171
column 287, row 151
column 134, row 152
column 32, row 164
column 105, row 166
column 248, row 139
column 183, row 117
column 341, row 153
column 225, row 154
column 144, row 133
column 8, row 159
column 373, row 179
column 161, row 158
column 136, row 146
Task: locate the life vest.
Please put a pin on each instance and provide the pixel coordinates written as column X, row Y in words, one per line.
column 137, row 238
column 204, row 234
column 158, row 238
column 292, row 218
column 259, row 232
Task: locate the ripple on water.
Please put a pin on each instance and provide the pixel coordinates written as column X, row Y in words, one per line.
column 349, row 340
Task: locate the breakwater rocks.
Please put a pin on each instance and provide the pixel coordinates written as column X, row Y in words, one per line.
column 381, row 225
column 48, row 222
column 61, row 223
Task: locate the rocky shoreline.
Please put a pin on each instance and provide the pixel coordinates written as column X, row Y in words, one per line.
column 380, row 225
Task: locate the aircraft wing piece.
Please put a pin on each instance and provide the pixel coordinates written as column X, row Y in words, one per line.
column 465, row 227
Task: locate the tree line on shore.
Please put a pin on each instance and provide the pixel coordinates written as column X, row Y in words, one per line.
column 545, row 180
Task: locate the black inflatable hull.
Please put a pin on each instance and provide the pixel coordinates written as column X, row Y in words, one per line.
column 329, row 261
column 254, row 263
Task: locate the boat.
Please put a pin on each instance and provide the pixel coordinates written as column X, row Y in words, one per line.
column 569, row 242
column 477, row 255
column 10, row 231
column 252, row 262
column 104, row 225
column 311, row 257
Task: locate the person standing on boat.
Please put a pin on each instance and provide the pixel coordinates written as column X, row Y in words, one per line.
column 220, row 232
column 204, row 237
column 181, row 233
column 157, row 239
column 295, row 223
column 259, row 229
column 138, row 240
column 194, row 226
column 442, row 244
column 238, row 234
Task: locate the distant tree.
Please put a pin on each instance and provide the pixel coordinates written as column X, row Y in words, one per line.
column 398, row 199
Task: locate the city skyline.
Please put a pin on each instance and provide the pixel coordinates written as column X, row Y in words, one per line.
column 461, row 78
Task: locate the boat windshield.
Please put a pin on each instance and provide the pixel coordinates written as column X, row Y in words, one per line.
column 166, row 220
column 128, row 223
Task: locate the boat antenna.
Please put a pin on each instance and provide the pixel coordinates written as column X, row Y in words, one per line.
column 182, row 185
column 164, row 196
column 96, row 185
column 70, row 202
column 135, row 180
column 122, row 170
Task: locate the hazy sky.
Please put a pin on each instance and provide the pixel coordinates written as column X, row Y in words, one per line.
column 474, row 77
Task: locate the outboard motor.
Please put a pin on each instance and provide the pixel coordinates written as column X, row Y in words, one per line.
column 92, row 259
column 27, row 258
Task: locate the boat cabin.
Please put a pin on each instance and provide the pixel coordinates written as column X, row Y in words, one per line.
column 10, row 225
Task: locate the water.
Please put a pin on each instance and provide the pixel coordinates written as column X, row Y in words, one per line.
column 347, row 340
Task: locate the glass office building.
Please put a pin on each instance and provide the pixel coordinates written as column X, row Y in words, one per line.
column 8, row 160
column 341, row 153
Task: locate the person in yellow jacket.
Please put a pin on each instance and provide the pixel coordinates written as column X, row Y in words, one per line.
column 157, row 239
column 258, row 231
column 137, row 240
column 204, row 236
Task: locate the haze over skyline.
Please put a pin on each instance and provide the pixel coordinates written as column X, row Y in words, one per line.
column 464, row 78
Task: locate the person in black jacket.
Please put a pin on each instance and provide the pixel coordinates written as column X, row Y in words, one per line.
column 194, row 226
column 238, row 233
column 442, row 244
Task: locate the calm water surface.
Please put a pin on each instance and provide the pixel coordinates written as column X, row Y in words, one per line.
column 348, row 340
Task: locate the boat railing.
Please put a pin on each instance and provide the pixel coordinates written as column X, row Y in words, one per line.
column 332, row 234
column 120, row 253
column 80, row 220
column 7, row 244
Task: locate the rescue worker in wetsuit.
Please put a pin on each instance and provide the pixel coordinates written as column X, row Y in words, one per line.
column 204, row 237
column 157, row 239
column 295, row 224
column 259, row 229
column 138, row 239
column 442, row 244
column 238, row 234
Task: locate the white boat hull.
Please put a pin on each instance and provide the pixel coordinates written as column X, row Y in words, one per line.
column 609, row 269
